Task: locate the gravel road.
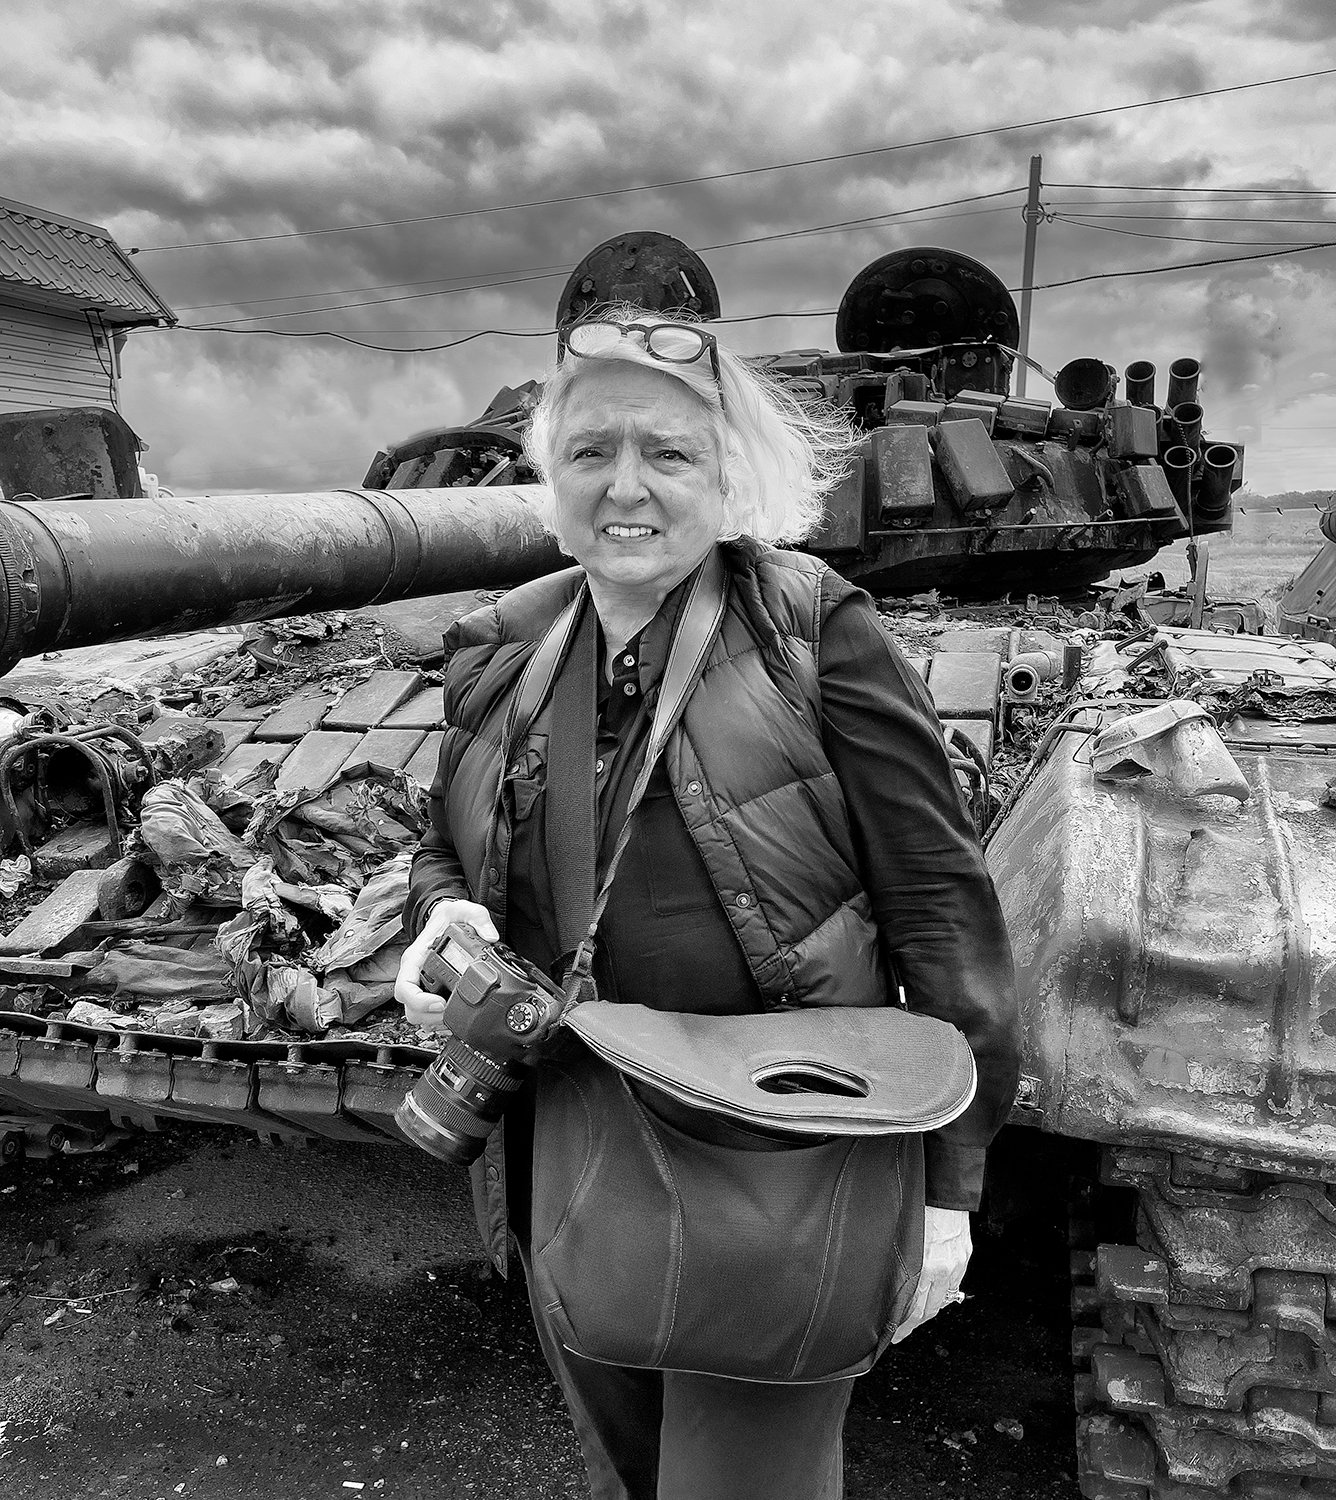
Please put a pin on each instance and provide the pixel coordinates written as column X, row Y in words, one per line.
column 198, row 1314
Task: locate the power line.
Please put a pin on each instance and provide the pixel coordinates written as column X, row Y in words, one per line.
column 1174, row 206
column 352, row 291
column 1177, row 204
column 1269, row 254
column 906, row 215
column 810, row 161
column 1187, row 265
column 553, row 271
column 467, row 338
column 476, row 286
column 329, row 333
column 1183, row 265
column 815, row 312
column 1183, row 239
column 540, row 274
column 1211, row 218
column 1136, row 187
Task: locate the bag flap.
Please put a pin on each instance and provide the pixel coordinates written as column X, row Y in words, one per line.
column 820, row 1071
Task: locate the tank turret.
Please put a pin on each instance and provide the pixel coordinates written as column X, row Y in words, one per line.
column 957, row 485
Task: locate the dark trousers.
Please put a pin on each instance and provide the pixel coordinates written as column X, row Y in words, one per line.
column 667, row 1435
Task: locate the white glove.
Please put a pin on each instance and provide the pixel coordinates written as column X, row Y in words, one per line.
column 946, row 1253
column 421, row 1007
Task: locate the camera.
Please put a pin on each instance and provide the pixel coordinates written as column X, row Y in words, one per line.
column 499, row 1011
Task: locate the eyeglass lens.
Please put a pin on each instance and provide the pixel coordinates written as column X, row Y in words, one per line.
column 677, row 345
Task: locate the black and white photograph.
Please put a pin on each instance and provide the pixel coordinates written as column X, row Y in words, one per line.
column 668, row 750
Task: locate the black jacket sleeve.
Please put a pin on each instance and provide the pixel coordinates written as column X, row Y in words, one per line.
column 932, row 897
column 435, row 872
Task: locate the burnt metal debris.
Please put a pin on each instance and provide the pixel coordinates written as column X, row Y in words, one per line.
column 250, row 907
column 1308, row 606
column 70, row 453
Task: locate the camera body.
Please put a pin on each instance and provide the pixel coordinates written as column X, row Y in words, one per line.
column 500, row 1010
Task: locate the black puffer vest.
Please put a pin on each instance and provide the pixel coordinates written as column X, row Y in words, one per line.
column 746, row 765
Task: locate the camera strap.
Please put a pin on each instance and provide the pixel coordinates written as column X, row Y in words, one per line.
column 571, row 811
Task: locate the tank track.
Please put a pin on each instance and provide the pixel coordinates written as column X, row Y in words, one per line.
column 90, row 1081
column 1205, row 1359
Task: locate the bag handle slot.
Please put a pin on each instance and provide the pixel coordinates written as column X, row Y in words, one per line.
column 810, row 1078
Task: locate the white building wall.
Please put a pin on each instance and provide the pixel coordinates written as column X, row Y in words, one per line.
column 52, row 359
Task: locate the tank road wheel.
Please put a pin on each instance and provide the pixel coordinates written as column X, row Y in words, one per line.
column 1211, row 1363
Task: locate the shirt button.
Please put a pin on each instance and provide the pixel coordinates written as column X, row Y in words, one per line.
column 630, row 690
column 493, row 874
column 598, row 768
column 694, row 788
column 744, row 899
column 628, row 660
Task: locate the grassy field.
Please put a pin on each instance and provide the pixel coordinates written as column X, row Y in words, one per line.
column 1257, row 561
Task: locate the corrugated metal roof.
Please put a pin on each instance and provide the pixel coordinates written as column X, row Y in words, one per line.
column 78, row 265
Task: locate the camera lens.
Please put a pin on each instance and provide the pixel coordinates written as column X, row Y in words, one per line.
column 452, row 1109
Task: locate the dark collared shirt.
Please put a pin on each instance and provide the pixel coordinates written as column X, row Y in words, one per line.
column 664, row 940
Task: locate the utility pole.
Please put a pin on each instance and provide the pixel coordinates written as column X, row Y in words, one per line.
column 1033, row 215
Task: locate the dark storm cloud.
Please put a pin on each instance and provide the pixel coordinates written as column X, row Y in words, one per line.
column 1068, row 17
column 1297, row 20
column 1178, row 70
column 1245, row 334
column 180, row 122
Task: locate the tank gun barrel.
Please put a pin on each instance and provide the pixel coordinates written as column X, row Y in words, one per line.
column 79, row 573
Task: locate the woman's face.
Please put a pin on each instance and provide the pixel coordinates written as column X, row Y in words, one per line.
column 636, row 478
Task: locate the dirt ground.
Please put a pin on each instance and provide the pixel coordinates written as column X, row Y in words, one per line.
column 197, row 1314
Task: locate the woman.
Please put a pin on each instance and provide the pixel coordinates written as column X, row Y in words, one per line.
column 800, row 839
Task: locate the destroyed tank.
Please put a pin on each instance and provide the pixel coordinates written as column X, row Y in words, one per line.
column 957, row 484
column 1175, row 960
column 1174, row 949
column 1307, row 608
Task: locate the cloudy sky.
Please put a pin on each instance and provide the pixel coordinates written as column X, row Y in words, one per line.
column 236, row 127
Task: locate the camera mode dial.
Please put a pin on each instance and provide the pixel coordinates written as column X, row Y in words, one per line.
column 522, row 1017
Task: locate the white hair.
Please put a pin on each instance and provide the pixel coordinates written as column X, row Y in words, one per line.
column 778, row 456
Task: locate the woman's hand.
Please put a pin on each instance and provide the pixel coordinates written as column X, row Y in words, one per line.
column 946, row 1253
column 420, row 1006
